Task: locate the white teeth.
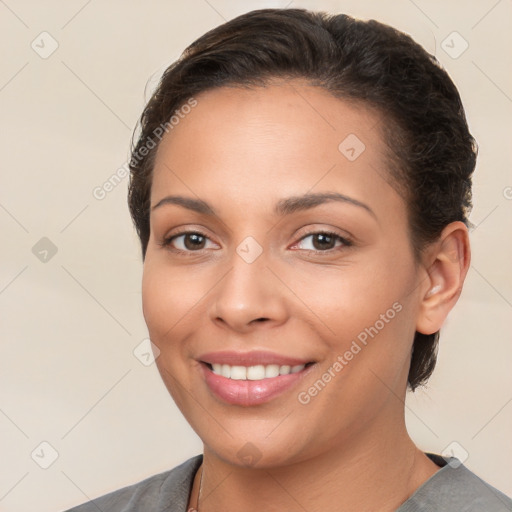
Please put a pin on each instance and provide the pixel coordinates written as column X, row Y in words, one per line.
column 238, row 373
column 272, row 370
column 285, row 370
column 226, row 371
column 257, row 372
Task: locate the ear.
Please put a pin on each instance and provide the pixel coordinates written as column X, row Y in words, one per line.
column 447, row 263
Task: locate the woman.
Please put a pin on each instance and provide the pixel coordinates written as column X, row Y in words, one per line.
column 300, row 187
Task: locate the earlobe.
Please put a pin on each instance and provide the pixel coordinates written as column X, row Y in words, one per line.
column 449, row 259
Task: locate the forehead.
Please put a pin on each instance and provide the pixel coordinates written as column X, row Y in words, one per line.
column 282, row 139
column 291, row 110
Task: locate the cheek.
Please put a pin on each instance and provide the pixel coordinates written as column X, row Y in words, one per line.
column 170, row 301
column 366, row 314
column 351, row 298
column 169, row 297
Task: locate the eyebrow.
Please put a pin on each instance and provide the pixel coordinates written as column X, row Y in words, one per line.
column 283, row 207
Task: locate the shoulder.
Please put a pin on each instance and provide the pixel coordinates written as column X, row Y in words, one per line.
column 151, row 495
column 455, row 488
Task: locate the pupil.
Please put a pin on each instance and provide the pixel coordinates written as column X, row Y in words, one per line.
column 324, row 239
column 321, row 241
column 197, row 241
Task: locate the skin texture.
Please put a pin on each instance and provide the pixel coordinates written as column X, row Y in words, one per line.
column 242, row 150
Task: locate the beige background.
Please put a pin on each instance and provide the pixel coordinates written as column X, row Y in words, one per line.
column 69, row 325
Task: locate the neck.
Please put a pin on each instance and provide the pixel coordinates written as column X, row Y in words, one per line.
column 378, row 470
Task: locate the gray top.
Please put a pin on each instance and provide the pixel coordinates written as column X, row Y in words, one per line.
column 454, row 488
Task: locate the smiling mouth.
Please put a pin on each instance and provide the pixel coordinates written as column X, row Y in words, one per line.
column 256, row 372
column 252, row 378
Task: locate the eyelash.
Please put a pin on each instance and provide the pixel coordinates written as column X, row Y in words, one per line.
column 345, row 242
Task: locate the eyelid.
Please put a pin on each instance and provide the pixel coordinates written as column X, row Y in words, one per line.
column 346, row 240
column 168, row 239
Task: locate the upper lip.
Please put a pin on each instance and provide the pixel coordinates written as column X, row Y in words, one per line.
column 253, row 358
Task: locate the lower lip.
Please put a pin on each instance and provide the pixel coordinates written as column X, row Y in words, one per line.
column 250, row 392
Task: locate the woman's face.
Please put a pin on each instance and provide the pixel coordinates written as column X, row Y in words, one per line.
column 273, row 274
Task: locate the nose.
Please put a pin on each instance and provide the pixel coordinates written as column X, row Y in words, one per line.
column 248, row 296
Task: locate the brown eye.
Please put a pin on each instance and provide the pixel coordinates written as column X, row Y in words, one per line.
column 322, row 242
column 194, row 241
column 187, row 242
